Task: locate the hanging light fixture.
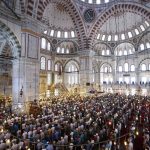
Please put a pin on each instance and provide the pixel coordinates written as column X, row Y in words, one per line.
column 117, row 23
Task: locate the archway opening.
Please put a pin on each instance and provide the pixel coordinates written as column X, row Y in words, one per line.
column 71, row 76
column 10, row 81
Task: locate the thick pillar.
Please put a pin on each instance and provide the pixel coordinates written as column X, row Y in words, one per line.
column 17, row 80
column 25, row 74
column 25, row 81
column 86, row 68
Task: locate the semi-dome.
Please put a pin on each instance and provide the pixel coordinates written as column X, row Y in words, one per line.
column 122, row 26
column 57, row 17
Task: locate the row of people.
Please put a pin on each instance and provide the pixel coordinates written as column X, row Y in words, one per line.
column 81, row 123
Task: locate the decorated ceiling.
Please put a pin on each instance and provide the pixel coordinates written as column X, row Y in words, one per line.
column 90, row 18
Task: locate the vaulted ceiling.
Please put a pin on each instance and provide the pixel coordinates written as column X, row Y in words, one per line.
column 111, row 17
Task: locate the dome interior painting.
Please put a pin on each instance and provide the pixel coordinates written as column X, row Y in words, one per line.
column 57, row 17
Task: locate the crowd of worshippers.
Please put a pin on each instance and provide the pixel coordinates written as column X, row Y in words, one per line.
column 108, row 122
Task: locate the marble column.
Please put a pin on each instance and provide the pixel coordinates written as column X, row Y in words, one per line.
column 17, row 82
column 86, row 68
column 25, row 81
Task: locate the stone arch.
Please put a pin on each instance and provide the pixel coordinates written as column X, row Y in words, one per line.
column 68, row 40
column 74, row 61
column 103, row 43
column 12, row 39
column 75, row 44
column 71, row 9
column 129, row 42
column 105, row 63
column 148, row 58
column 112, row 10
column 124, row 45
column 141, row 38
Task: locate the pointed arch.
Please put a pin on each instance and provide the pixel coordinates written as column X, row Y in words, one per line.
column 11, row 38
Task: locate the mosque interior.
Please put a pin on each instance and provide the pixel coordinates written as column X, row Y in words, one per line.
column 74, row 66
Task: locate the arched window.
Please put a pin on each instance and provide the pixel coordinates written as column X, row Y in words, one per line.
column 103, row 52
column 136, row 31
column 149, row 67
column 73, row 68
column 43, row 43
column 143, row 67
column 120, row 53
column 123, row 36
column 48, row 46
column 58, row 34
column 72, row 34
column 106, row 69
column 116, row 37
column 126, row 67
column 67, row 51
column 142, row 47
column 130, row 34
column 43, row 63
column 90, row 1
column 147, row 23
column 98, row 36
column 132, row 67
column 120, row 68
column 125, row 52
column 108, row 52
column 63, row 50
column 58, row 49
column 49, row 65
column 106, row 74
column 103, row 37
column 148, row 45
column 130, row 51
column 110, row 69
column 66, row 34
column 98, row 1
column 109, row 38
column 70, row 68
column 52, row 33
column 142, row 27
column 72, row 74
column 106, row 1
